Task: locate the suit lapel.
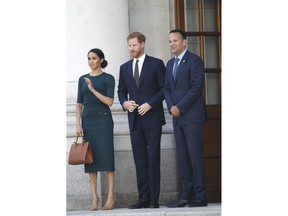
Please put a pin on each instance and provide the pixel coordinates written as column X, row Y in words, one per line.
column 130, row 74
column 144, row 70
column 181, row 64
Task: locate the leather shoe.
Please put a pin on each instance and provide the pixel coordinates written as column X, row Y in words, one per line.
column 140, row 204
column 198, row 203
column 154, row 205
column 180, row 203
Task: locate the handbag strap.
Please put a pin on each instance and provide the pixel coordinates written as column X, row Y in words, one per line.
column 77, row 139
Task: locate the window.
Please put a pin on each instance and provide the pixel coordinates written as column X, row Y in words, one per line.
column 201, row 20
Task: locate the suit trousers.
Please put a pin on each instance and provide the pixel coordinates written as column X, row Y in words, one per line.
column 146, row 153
column 189, row 149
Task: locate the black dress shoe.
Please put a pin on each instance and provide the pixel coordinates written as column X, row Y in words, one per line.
column 198, row 203
column 154, row 205
column 140, row 204
column 180, row 203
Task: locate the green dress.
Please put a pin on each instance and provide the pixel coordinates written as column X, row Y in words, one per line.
column 97, row 121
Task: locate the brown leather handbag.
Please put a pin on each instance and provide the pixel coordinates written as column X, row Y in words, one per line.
column 80, row 153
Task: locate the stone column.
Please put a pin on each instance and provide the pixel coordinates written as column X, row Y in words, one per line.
column 95, row 24
column 91, row 24
column 152, row 18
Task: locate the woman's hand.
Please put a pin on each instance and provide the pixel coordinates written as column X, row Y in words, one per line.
column 89, row 83
column 79, row 130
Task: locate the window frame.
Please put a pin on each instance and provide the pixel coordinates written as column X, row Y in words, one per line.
column 179, row 10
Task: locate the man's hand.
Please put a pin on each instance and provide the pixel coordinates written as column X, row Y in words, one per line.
column 143, row 109
column 175, row 111
column 130, row 105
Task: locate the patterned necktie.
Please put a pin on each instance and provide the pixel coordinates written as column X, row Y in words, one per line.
column 175, row 67
column 136, row 73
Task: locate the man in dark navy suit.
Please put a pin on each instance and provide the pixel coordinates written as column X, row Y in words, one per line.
column 184, row 97
column 140, row 92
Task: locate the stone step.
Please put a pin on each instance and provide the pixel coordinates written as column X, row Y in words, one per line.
column 213, row 209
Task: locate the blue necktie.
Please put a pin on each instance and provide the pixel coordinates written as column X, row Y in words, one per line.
column 175, row 67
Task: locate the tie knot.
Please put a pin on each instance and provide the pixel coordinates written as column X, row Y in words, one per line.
column 176, row 60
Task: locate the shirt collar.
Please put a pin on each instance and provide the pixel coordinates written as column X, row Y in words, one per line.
column 141, row 59
column 181, row 55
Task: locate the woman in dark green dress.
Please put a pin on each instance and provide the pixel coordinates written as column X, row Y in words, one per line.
column 94, row 122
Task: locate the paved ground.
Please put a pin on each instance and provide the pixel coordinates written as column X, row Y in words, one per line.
column 213, row 209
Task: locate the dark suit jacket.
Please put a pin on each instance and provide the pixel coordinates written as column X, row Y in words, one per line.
column 186, row 92
column 151, row 83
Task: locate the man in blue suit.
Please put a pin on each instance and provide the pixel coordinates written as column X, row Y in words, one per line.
column 140, row 92
column 184, row 97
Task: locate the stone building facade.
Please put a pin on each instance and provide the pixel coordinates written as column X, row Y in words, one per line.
column 105, row 25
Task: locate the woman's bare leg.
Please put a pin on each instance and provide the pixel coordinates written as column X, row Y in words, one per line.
column 111, row 198
column 95, row 198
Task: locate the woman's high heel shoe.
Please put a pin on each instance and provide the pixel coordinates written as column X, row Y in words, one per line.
column 109, row 205
column 95, row 203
